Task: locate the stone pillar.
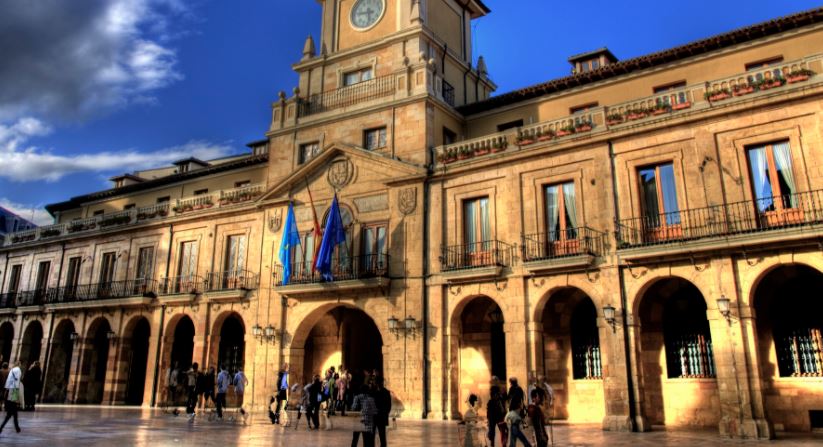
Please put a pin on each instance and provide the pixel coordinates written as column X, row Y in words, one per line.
column 517, row 362
column 615, row 383
column 641, row 422
column 534, row 338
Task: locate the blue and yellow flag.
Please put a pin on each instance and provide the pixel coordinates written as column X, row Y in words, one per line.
column 333, row 235
column 291, row 239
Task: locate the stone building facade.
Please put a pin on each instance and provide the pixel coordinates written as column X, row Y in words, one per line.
column 645, row 234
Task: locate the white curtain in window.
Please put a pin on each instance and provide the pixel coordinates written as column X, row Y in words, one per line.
column 381, row 245
column 469, row 225
column 762, row 187
column 570, row 201
column 485, row 230
column 670, row 206
column 783, row 160
column 552, row 213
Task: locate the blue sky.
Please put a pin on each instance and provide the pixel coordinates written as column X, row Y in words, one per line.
column 93, row 88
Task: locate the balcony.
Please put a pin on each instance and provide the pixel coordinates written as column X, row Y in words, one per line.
column 8, row 301
column 734, row 223
column 141, row 215
column 350, row 273
column 135, row 291
column 348, row 96
column 33, row 298
column 642, row 111
column 574, row 248
column 182, row 285
column 475, row 261
column 229, row 283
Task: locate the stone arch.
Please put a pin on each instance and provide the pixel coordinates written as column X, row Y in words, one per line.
column 328, row 336
column 572, row 361
column 133, row 361
column 789, row 334
column 31, row 344
column 477, row 349
column 6, row 340
column 675, row 354
column 572, row 283
column 60, row 362
column 460, row 306
column 642, row 290
column 95, row 362
column 228, row 342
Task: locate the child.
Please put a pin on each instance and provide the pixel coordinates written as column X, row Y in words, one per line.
column 515, row 423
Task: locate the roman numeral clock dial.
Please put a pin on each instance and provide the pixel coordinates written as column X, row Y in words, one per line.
column 366, row 13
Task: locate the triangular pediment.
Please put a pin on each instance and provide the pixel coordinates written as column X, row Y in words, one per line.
column 343, row 168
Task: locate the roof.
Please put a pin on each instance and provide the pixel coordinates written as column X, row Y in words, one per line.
column 78, row 201
column 588, row 54
column 191, row 160
column 127, row 176
column 703, row 46
column 257, row 143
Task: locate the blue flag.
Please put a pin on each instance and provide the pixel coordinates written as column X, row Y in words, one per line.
column 333, row 235
column 291, row 239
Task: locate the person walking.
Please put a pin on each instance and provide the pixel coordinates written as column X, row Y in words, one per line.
column 516, row 395
column 4, row 374
column 537, row 419
column 32, row 382
column 382, row 398
column 515, row 423
column 191, row 390
column 364, row 402
column 13, row 382
column 282, row 391
column 496, row 413
column 223, row 382
column 313, row 390
column 240, row 381
column 171, row 384
column 208, row 387
column 332, row 384
column 342, row 389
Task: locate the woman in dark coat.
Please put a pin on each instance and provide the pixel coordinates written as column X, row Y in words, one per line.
column 32, row 382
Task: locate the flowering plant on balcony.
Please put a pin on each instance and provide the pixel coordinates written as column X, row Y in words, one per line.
column 583, row 126
column 637, row 113
column 742, row 89
column 51, row 232
column 800, row 75
column 568, row 129
column 447, row 156
column 500, row 145
column 464, row 153
column 524, row 140
column 19, row 239
column 614, row 118
column 183, row 208
column 482, row 150
column 766, row 84
column 544, row 135
column 661, row 107
column 116, row 220
column 717, row 94
column 75, row 227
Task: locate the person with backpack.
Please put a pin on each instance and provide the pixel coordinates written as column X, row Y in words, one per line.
column 240, row 381
column 223, row 382
column 14, row 397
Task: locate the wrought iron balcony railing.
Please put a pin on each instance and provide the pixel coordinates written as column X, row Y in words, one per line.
column 491, row 253
column 343, row 269
column 231, row 280
column 559, row 244
column 179, row 285
column 102, row 291
column 33, row 297
column 751, row 216
column 8, row 300
column 348, row 96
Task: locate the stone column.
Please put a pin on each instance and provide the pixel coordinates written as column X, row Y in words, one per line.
column 615, row 383
column 641, row 422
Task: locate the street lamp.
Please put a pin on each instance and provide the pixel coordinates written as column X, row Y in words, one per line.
column 724, row 307
column 393, row 323
column 609, row 315
column 257, row 331
column 269, row 332
column 410, row 324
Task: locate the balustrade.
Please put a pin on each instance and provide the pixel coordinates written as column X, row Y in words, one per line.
column 490, row 253
column 348, row 95
column 344, row 268
column 557, row 244
column 762, row 79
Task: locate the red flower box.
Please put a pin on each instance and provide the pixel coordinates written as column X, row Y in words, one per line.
column 635, row 116
column 525, row 141
column 584, row 128
column 563, row 133
column 798, row 78
column 481, row 152
column 718, row 97
column 682, row 105
column 743, row 91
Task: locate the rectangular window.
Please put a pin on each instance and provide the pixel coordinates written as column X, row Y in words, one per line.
column 773, row 182
column 187, row 269
column 476, row 229
column 42, row 281
column 304, row 258
column 14, row 279
column 510, row 125
column 145, row 263
column 130, row 206
column 763, row 63
column 582, row 109
column 373, row 247
column 164, row 199
column 449, row 137
column 242, row 183
column 659, row 197
column 235, row 254
column 73, row 274
column 561, row 212
column 308, row 151
column 107, row 265
column 374, row 138
column 200, row 192
column 595, row 64
column 358, row 76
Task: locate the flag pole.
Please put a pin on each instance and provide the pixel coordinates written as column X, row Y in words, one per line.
column 317, row 232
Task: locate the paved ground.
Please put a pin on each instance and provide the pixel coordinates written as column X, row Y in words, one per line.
column 120, row 427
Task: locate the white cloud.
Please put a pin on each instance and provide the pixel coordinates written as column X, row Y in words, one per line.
column 34, row 213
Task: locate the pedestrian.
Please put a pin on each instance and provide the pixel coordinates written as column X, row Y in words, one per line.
column 208, row 387
column 14, row 396
column 496, row 413
column 240, row 381
column 382, row 398
column 516, row 394
column 282, row 391
column 171, row 384
column 470, row 421
column 32, row 382
column 223, row 381
column 191, row 390
column 4, row 374
column 303, row 406
column 332, row 384
column 364, row 402
column 515, row 423
column 342, row 388
column 314, row 393
column 537, row 419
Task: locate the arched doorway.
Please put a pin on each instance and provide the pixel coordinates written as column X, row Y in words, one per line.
column 6, row 340
column 789, row 315
column 342, row 337
column 57, row 377
column 134, row 356
column 95, row 363
column 232, row 346
column 481, row 350
column 182, row 349
column 32, row 344
column 572, row 359
column 677, row 357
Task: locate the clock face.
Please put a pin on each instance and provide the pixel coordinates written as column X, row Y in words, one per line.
column 366, row 13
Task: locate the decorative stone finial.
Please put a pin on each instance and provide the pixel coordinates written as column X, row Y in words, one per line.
column 308, row 48
column 415, row 13
column 481, row 67
column 296, row 91
column 282, row 95
column 323, row 50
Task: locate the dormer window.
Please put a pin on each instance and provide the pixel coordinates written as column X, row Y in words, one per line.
column 592, row 60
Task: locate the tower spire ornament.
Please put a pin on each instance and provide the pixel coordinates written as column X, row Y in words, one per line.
column 308, row 48
column 415, row 16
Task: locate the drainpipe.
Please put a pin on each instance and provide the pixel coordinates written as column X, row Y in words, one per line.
column 623, row 298
column 46, row 360
column 425, row 257
column 157, row 356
